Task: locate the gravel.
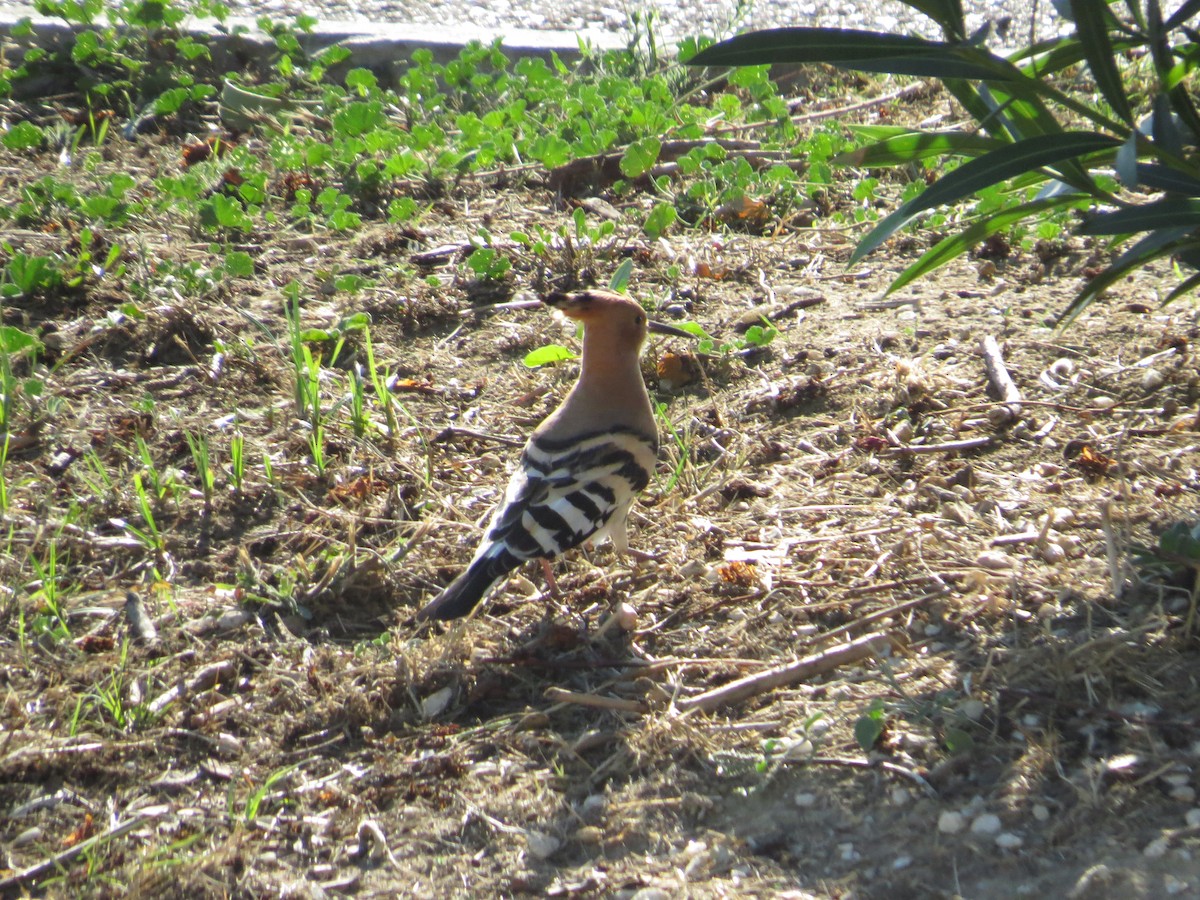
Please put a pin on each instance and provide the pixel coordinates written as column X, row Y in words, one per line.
column 601, row 19
column 676, row 19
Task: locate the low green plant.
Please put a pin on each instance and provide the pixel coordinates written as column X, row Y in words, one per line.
column 199, row 447
column 1050, row 140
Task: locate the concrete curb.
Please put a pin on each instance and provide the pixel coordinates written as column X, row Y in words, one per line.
column 383, row 47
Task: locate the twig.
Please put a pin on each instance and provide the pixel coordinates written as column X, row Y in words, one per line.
column 761, row 682
column 54, row 863
column 455, row 431
column 562, row 695
column 871, row 764
column 948, row 447
column 998, row 376
column 140, row 623
column 371, row 827
column 201, row 681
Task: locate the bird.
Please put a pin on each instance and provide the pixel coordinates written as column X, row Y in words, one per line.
column 583, row 466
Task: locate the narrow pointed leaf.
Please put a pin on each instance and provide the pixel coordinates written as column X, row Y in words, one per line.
column 984, row 171
column 1173, row 212
column 1185, row 287
column 915, row 145
column 1181, row 15
column 1164, row 178
column 1092, row 22
column 1119, row 269
column 947, row 13
column 951, row 247
column 870, row 51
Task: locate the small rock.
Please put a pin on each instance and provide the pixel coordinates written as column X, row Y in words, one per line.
column 1006, row 840
column 993, row 559
column 541, row 845
column 1185, row 793
column 973, row 709
column 436, row 703
column 1192, row 818
column 902, row 862
column 651, row 893
column 988, row 823
column 1152, row 380
column 1041, row 812
column 1157, row 848
column 805, row 800
column 950, row 822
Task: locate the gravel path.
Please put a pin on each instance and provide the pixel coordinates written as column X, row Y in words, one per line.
column 675, row 18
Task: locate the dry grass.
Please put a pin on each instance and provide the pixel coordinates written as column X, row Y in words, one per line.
column 830, row 486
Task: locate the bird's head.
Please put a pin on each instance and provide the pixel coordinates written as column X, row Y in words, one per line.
column 610, row 312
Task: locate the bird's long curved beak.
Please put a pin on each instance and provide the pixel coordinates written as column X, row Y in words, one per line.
column 663, row 328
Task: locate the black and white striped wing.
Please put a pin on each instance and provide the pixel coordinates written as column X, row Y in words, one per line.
column 565, row 492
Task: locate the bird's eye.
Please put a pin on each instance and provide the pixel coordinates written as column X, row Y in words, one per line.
column 639, row 319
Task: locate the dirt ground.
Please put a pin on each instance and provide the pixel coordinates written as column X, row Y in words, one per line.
column 1032, row 692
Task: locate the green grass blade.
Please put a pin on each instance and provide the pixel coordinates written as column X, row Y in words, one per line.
column 984, row 171
column 912, row 146
column 1134, row 258
column 870, row 51
column 1185, row 287
column 1165, row 178
column 1092, row 23
column 957, row 244
column 1173, row 212
column 947, row 13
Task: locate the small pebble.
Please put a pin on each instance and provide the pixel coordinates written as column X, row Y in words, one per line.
column 902, row 862
column 988, row 823
column 1156, row 849
column 1185, row 793
column 973, row 709
column 1040, row 812
column 950, row 822
column 1192, row 818
column 1062, row 367
column 993, row 559
column 541, row 845
column 1008, row 841
column 1152, row 380
column 805, row 800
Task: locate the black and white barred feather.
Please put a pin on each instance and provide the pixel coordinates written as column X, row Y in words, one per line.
column 564, row 492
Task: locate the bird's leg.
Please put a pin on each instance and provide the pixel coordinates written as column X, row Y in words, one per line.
column 551, row 584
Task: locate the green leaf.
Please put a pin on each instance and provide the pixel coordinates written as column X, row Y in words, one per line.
column 22, row 136
column 951, row 247
column 640, row 157
column 1092, row 23
column 985, row 171
column 239, row 264
column 660, row 219
column 13, row 340
column 1173, row 212
column 912, row 146
column 551, row 353
column 870, row 51
column 620, row 278
column 867, row 731
column 1136, row 257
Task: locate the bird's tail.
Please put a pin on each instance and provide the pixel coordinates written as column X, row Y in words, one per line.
column 464, row 593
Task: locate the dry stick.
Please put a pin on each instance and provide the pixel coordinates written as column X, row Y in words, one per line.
column 46, row 866
column 562, row 695
column 998, row 376
column 761, row 682
column 948, row 447
column 201, row 681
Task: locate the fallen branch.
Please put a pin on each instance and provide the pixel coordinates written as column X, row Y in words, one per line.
column 562, row 695
column 1001, row 382
column 761, row 682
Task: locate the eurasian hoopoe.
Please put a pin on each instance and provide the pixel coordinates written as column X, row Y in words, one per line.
column 583, row 466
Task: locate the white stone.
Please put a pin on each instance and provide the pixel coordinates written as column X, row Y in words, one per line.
column 988, row 823
column 950, row 822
